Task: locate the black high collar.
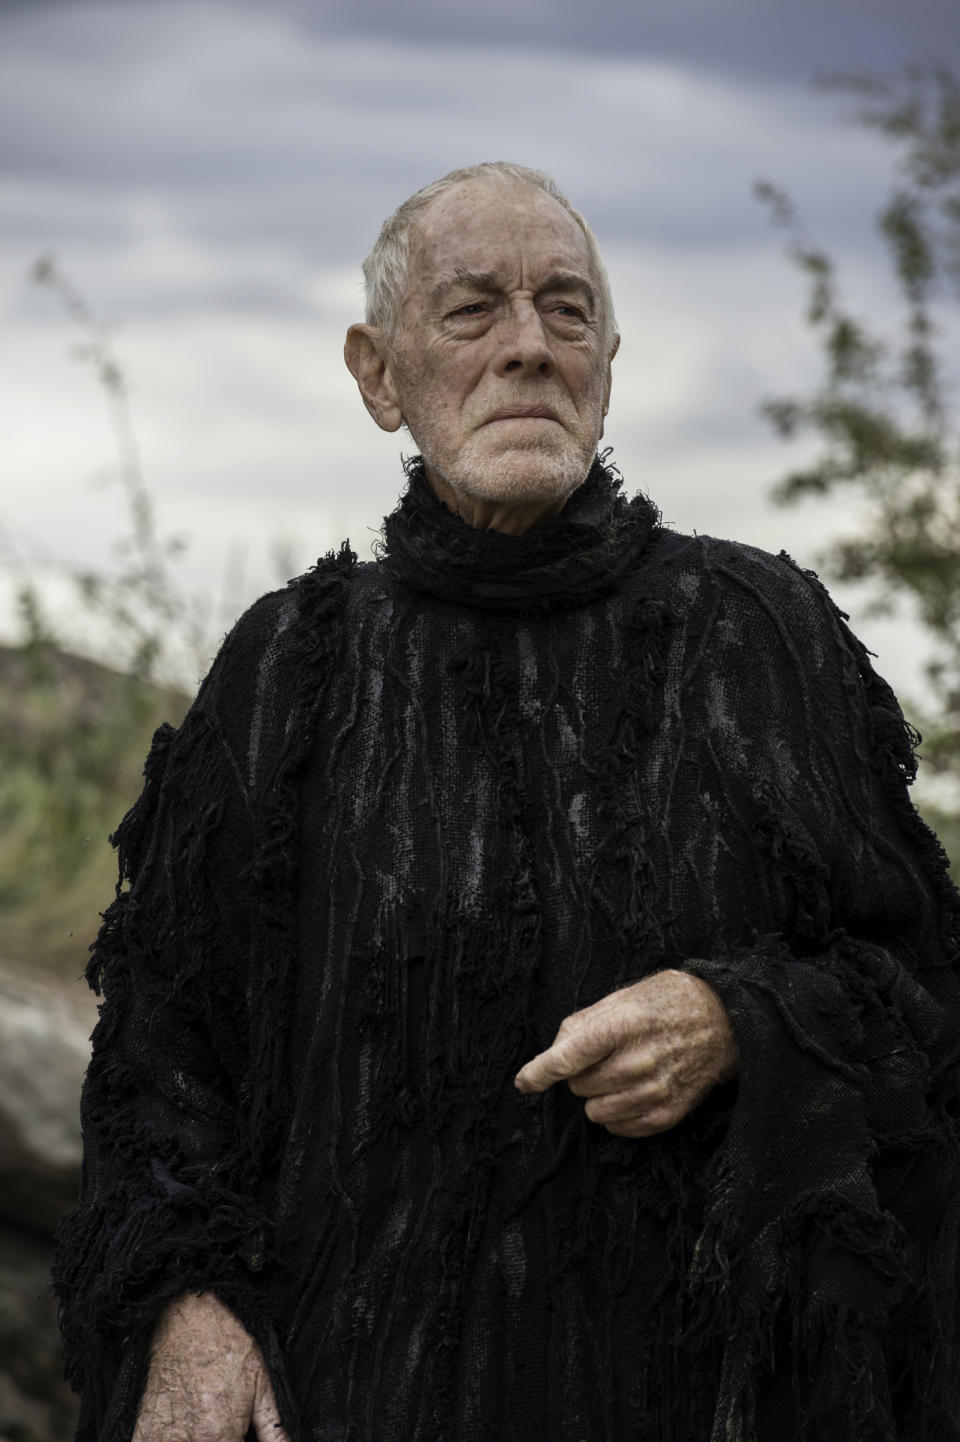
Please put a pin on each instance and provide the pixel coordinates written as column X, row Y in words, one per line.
column 563, row 560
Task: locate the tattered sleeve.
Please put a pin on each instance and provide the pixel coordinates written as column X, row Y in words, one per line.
column 833, row 1208
column 164, row 1207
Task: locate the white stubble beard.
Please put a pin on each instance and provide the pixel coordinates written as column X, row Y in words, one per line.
column 481, row 473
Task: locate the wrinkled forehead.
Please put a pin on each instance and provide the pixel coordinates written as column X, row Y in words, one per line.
column 489, row 227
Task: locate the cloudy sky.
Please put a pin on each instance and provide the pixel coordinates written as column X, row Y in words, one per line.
column 209, row 174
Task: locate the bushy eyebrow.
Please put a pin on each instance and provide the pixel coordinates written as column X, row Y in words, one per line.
column 465, row 280
column 486, row 281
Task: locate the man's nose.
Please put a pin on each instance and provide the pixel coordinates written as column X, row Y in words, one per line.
column 525, row 349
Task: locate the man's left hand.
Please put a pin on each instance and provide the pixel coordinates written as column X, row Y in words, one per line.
column 644, row 1055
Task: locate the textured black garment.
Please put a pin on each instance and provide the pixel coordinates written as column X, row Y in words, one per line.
column 407, row 828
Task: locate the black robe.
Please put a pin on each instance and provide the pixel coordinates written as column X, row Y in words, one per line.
column 421, row 810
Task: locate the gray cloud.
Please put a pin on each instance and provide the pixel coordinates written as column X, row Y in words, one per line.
column 783, row 40
column 245, row 125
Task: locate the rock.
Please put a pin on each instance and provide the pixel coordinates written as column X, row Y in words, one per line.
column 36, row 1404
column 45, row 1027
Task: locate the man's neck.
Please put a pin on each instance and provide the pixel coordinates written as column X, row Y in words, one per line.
column 511, row 518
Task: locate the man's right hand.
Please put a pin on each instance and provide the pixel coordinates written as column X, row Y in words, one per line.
column 207, row 1379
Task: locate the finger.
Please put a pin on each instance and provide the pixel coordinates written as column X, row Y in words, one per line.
column 619, row 1106
column 616, row 1073
column 639, row 1112
column 266, row 1417
column 647, row 1124
column 270, row 1429
column 570, row 1054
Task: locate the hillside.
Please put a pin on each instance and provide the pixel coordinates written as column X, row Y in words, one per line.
column 73, row 738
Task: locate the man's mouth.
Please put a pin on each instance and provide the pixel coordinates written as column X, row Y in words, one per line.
column 523, row 413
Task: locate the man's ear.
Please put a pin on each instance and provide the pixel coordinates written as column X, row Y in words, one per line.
column 606, row 393
column 368, row 361
column 609, row 380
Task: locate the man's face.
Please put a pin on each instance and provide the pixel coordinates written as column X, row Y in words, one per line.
column 499, row 363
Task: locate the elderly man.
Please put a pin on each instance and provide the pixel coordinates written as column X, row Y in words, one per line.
column 533, row 1013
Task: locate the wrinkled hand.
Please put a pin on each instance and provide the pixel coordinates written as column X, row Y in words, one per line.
column 207, row 1379
column 644, row 1055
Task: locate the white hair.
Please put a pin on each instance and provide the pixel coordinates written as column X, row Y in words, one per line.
column 385, row 268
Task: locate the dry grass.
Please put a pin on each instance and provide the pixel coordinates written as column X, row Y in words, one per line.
column 73, row 738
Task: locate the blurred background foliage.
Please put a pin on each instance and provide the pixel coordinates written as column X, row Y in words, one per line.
column 884, row 409
column 73, row 736
column 74, row 730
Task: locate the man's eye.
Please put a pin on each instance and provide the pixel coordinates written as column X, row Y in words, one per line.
column 475, row 307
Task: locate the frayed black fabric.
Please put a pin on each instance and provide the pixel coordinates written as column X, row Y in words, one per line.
column 581, row 554
column 403, row 832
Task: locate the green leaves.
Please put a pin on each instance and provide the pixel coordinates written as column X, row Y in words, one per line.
column 882, row 410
